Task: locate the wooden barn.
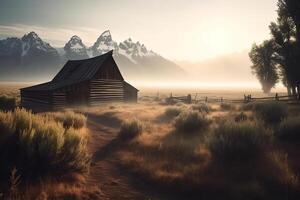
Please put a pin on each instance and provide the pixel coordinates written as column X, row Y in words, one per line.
column 90, row 82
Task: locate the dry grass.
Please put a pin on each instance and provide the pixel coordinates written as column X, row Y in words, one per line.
column 70, row 119
column 36, row 148
column 47, row 190
column 186, row 163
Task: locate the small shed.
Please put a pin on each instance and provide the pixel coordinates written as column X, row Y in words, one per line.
column 89, row 82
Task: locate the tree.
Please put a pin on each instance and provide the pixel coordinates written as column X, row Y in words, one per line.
column 264, row 64
column 284, row 36
column 291, row 9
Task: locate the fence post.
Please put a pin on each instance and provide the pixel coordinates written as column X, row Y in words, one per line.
column 206, row 99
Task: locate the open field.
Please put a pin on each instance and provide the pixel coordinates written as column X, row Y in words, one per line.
column 153, row 150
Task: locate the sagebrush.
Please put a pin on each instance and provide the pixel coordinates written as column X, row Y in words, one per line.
column 37, row 145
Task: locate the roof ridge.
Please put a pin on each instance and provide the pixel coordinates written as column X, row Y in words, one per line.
column 92, row 58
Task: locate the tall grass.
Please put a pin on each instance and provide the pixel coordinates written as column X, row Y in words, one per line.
column 227, row 106
column 271, row 112
column 238, row 141
column 241, row 117
column 131, row 129
column 289, row 129
column 202, row 107
column 171, row 112
column 38, row 146
column 7, row 103
column 191, row 121
column 71, row 119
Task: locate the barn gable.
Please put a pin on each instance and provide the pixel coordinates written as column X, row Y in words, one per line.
column 89, row 82
column 109, row 70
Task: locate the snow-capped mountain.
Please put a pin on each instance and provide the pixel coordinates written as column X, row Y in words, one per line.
column 75, row 49
column 32, row 43
column 30, row 55
column 104, row 44
column 36, row 51
column 10, row 47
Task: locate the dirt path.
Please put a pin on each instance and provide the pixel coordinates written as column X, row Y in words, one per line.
column 114, row 182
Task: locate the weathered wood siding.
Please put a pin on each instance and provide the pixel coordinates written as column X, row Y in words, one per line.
column 59, row 100
column 130, row 93
column 36, row 99
column 105, row 91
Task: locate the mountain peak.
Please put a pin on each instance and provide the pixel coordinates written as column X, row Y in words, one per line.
column 31, row 36
column 32, row 42
column 75, row 37
column 75, row 43
column 106, row 33
column 75, row 49
column 104, row 44
column 128, row 40
column 105, row 37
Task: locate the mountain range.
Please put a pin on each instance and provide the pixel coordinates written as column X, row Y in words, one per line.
column 31, row 59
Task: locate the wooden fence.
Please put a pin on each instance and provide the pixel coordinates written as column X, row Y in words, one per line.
column 290, row 99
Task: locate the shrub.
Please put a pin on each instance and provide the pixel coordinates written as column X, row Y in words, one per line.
column 202, row 107
column 289, row 129
column 38, row 145
column 237, row 141
column 75, row 149
column 70, row 119
column 226, row 106
column 248, row 106
column 170, row 101
column 131, row 129
column 241, row 117
column 172, row 112
column 190, row 121
column 271, row 112
column 7, row 103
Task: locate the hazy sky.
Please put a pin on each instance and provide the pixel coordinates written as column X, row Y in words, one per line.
column 177, row 29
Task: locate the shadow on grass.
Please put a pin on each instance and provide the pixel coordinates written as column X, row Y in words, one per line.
column 108, row 119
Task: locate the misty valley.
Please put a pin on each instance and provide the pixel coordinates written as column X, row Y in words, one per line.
column 202, row 101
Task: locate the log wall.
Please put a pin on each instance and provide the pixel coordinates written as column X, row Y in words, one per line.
column 106, row 91
column 59, row 100
column 36, row 100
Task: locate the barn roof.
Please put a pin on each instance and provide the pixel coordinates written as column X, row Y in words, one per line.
column 74, row 71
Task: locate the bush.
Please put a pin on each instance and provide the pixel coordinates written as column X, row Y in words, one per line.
column 190, row 121
column 271, row 112
column 241, row 117
column 70, row 119
column 37, row 146
column 227, row 106
column 289, row 129
column 131, row 129
column 202, row 107
column 248, row 106
column 237, row 141
column 7, row 103
column 172, row 112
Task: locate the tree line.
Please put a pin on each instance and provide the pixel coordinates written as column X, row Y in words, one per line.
column 278, row 58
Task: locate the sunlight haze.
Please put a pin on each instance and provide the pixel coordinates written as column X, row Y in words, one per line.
column 191, row 30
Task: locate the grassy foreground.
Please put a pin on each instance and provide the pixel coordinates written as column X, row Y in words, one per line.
column 39, row 153
column 214, row 151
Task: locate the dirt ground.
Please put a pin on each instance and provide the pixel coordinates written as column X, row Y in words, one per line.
column 105, row 172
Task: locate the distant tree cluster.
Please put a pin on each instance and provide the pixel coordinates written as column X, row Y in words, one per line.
column 279, row 57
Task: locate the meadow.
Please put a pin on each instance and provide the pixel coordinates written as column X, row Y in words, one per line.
column 154, row 149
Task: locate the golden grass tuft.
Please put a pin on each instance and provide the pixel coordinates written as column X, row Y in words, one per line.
column 39, row 146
